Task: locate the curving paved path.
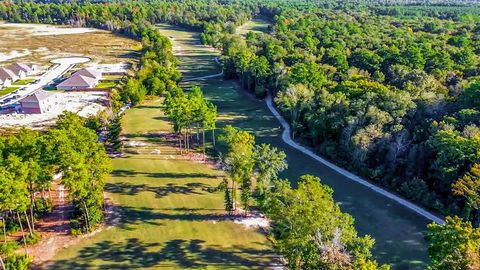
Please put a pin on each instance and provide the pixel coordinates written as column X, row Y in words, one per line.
column 288, row 140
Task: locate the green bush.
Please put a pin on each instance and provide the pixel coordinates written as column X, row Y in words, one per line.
column 8, row 248
column 43, row 206
column 17, row 262
column 32, row 239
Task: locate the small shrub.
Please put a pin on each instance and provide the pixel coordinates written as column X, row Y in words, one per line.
column 17, row 262
column 44, row 206
column 8, row 248
column 76, row 232
column 32, row 239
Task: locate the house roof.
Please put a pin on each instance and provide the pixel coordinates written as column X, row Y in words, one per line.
column 37, row 96
column 89, row 72
column 77, row 80
column 17, row 67
column 6, row 73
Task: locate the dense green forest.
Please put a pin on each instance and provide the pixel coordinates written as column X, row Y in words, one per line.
column 387, row 89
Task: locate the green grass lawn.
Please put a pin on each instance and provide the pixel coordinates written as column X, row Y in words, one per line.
column 104, row 84
column 257, row 25
column 112, row 77
column 172, row 215
column 195, row 58
column 23, row 82
column 7, row 90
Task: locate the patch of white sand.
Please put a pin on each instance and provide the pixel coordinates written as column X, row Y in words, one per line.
column 4, row 56
column 135, row 143
column 108, row 68
column 253, row 222
column 48, row 30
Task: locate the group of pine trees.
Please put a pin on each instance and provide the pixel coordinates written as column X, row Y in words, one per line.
column 189, row 112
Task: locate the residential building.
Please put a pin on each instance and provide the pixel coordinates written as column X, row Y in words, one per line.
column 77, row 81
column 6, row 73
column 5, row 82
column 38, row 102
column 89, row 72
column 22, row 70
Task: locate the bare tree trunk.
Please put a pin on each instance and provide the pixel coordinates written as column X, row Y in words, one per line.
column 28, row 223
column 4, row 230
column 32, row 205
column 87, row 217
column 23, row 234
column 203, row 137
column 198, row 134
column 234, row 196
column 180, row 142
column 2, row 264
column 213, row 137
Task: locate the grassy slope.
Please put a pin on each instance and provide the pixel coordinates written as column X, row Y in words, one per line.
column 171, row 216
column 398, row 231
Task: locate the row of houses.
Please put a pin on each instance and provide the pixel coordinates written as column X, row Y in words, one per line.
column 82, row 79
column 14, row 72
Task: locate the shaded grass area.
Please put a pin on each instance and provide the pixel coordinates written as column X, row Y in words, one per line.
column 171, row 212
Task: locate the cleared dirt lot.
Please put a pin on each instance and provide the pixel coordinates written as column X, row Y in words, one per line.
column 41, row 43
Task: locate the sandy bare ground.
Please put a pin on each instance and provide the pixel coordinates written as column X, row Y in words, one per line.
column 55, row 229
column 39, row 43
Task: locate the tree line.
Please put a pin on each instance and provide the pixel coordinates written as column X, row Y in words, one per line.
column 395, row 100
column 29, row 160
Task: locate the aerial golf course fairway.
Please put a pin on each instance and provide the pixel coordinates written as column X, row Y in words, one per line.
column 170, row 213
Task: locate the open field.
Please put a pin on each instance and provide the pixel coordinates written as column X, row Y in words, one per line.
column 397, row 230
column 195, row 59
column 257, row 25
column 40, row 43
column 171, row 214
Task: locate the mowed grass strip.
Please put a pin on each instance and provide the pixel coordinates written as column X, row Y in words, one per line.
column 171, row 213
column 398, row 231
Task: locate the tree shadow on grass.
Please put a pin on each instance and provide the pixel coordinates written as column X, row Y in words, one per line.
column 129, row 173
column 125, row 188
column 130, row 216
column 179, row 253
